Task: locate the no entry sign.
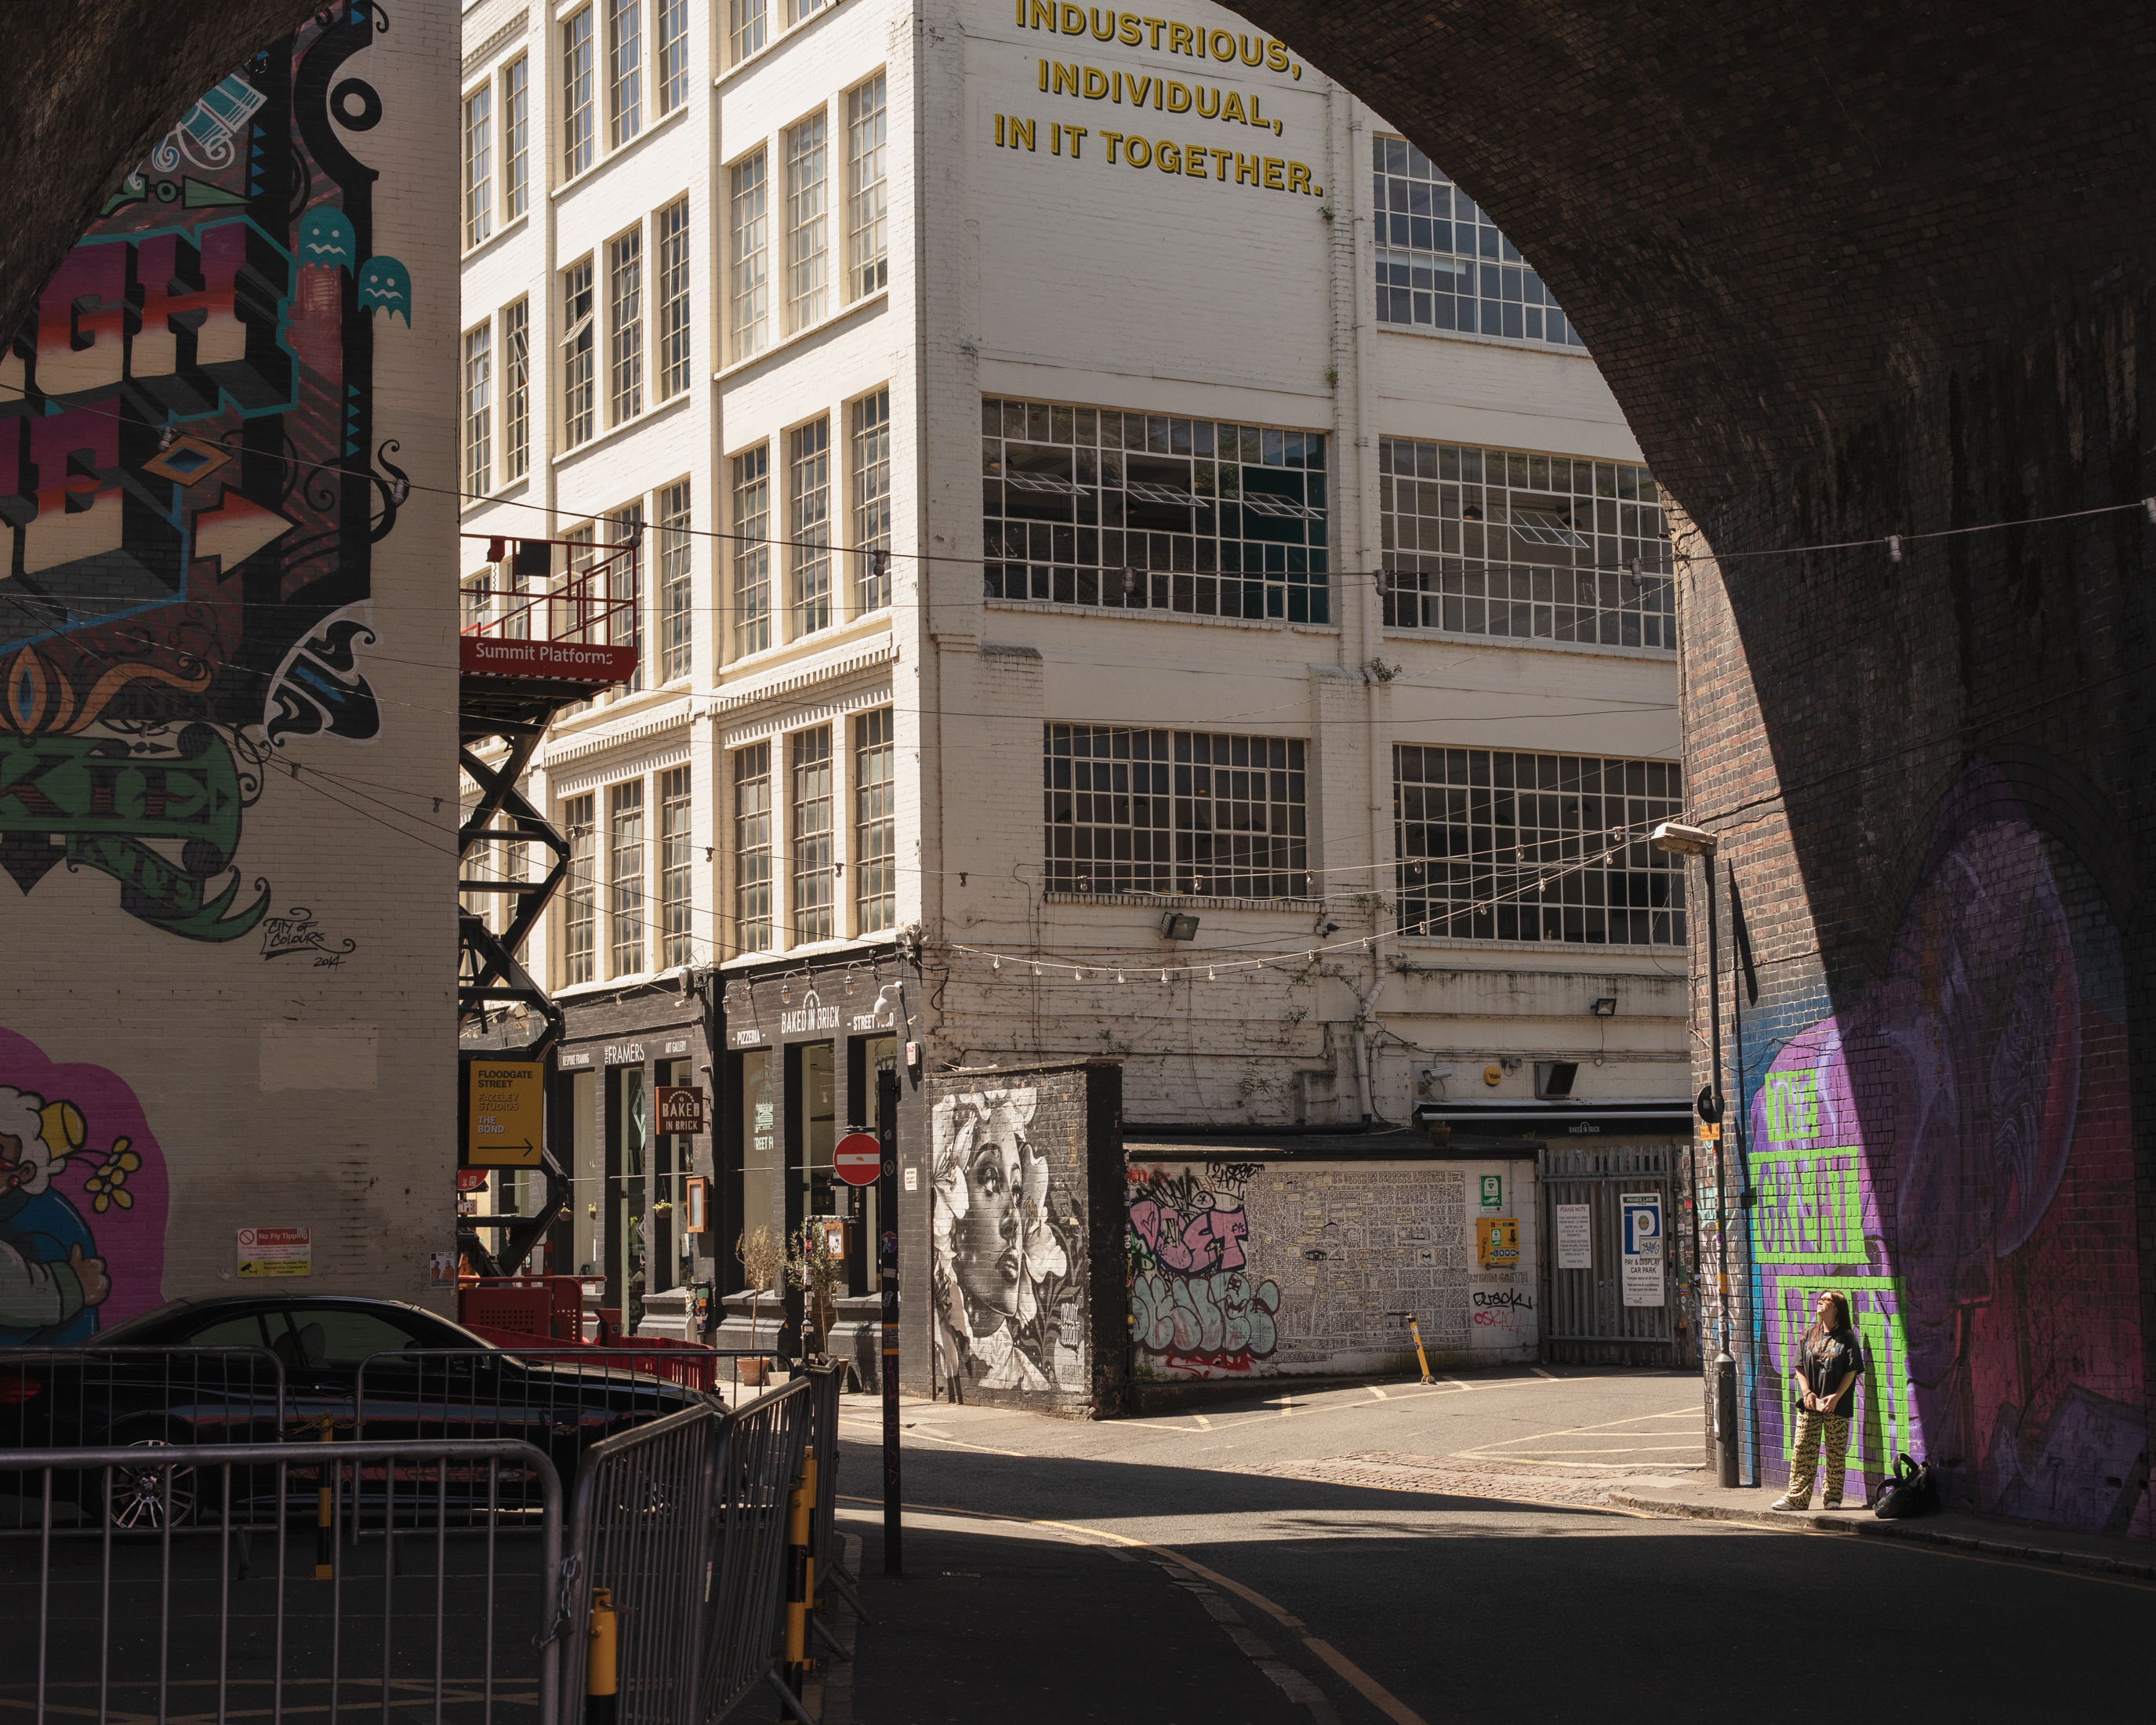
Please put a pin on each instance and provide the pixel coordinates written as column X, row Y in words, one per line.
column 858, row 1158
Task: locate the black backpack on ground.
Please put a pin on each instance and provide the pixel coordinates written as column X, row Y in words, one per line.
column 1912, row 1489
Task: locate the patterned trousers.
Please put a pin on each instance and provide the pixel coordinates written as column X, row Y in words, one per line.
column 1812, row 1429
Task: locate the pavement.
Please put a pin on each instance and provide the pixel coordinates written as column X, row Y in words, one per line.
column 1532, row 1544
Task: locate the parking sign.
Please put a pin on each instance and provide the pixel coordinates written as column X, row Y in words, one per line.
column 1643, row 1247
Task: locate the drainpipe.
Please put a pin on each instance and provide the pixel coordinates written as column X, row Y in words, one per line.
column 1362, row 1048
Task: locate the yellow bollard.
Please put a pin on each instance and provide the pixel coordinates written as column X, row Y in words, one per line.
column 325, row 1542
column 601, row 1680
column 1422, row 1359
column 801, row 1572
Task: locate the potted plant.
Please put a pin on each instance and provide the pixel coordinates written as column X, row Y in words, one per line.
column 762, row 1258
column 814, row 1269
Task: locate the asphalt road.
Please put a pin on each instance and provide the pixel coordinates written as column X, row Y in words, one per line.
column 1425, row 1555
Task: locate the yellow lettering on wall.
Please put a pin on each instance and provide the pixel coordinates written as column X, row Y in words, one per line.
column 1178, row 39
column 1021, row 132
column 1104, row 23
column 1193, row 161
column 1055, row 141
column 1132, row 147
column 1232, row 109
column 1252, row 49
column 1213, row 112
column 1044, row 11
column 1155, row 25
column 1075, row 133
column 1112, row 140
column 1043, row 74
column 1246, row 169
column 1168, row 158
column 1298, row 178
column 1074, row 21
column 1140, row 88
column 1223, row 44
column 1178, row 98
column 1096, row 85
column 1129, row 29
column 999, row 130
column 1066, row 78
column 1276, row 57
column 1273, row 167
column 1220, row 161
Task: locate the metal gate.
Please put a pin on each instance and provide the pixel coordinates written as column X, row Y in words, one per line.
column 1585, row 1321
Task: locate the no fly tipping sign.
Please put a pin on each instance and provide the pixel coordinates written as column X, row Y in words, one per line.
column 858, row 1158
column 508, row 1113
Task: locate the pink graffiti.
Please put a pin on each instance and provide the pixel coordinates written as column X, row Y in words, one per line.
column 1208, row 1241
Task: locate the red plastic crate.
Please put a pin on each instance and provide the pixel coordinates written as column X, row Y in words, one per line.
column 548, row 1305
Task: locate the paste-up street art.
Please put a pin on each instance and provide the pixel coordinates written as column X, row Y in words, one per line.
column 1952, row 1153
column 191, row 487
column 82, row 1200
column 1193, row 1304
column 1009, row 1250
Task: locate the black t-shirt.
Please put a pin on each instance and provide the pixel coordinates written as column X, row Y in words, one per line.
column 1836, row 1355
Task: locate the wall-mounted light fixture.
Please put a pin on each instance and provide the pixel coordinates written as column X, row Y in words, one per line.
column 1605, row 1006
column 1178, row 926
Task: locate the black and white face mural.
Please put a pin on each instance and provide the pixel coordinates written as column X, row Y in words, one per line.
column 1009, row 1250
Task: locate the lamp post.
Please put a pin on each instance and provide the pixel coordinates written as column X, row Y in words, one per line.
column 1674, row 838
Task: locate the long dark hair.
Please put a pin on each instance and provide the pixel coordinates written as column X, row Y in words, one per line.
column 1818, row 1332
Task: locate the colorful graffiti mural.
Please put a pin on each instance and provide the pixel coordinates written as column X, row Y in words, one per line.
column 1196, row 1305
column 82, row 1200
column 1952, row 1153
column 190, row 488
column 1008, row 1262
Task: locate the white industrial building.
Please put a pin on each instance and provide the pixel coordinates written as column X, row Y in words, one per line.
column 1089, row 468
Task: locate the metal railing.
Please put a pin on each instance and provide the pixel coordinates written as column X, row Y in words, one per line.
column 338, row 1634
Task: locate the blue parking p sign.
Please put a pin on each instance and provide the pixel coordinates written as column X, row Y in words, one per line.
column 1642, row 1213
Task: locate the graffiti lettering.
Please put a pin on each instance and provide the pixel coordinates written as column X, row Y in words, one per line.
column 296, row 932
column 1506, row 1300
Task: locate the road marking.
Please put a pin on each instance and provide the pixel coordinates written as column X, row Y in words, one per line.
column 1459, row 1383
column 936, row 1437
column 1375, row 1391
column 1203, row 1424
column 1540, row 1373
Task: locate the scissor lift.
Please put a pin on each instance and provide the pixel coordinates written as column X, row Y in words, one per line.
column 548, row 646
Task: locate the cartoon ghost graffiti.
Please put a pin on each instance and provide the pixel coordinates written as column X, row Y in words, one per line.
column 326, row 236
column 52, row 1279
column 386, row 285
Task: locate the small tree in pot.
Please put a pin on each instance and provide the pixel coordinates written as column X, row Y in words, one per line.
column 814, row 1269
column 763, row 1260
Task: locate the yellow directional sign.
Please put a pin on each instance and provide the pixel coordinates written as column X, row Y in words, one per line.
column 508, row 1113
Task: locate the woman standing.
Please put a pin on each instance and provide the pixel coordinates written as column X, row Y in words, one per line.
column 1829, row 1362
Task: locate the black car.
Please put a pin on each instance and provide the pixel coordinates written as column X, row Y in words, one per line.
column 260, row 1368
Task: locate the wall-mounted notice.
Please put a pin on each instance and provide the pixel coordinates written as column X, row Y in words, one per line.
column 1497, row 1242
column 1575, row 1236
column 1643, row 1247
column 276, row 1251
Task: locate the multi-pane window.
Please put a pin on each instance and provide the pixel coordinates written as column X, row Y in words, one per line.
column 810, row 753
column 875, row 822
column 624, row 71
column 752, row 848
column 479, row 166
column 516, row 866
column 675, row 874
column 579, row 96
column 809, row 523
column 1174, row 812
column 479, row 410
column 625, row 326
column 747, row 29
column 808, row 192
column 515, row 138
column 677, row 620
column 870, row 427
column 517, row 390
column 625, row 876
column 867, row 267
column 751, row 268
column 1442, row 264
column 580, row 897
column 628, row 588
column 1094, row 507
column 670, row 241
column 752, row 550
column 671, row 24
column 579, row 356
column 1497, row 543
column 1495, row 845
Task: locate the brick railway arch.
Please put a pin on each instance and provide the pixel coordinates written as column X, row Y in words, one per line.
column 1850, row 271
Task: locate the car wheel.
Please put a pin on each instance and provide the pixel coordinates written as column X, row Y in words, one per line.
column 140, row 1497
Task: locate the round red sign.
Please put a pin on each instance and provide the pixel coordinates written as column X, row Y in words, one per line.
column 472, row 1179
column 858, row 1158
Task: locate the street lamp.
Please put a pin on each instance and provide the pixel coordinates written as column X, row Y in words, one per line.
column 1675, row 839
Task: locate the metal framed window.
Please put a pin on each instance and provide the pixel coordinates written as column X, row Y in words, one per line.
column 580, row 896
column 479, row 410
column 477, row 864
column 624, row 71
column 871, row 437
column 516, row 866
column 752, row 848
column 625, row 326
column 579, row 356
column 810, row 754
column 809, row 523
column 625, row 876
column 1175, row 812
column 747, row 28
column 1498, row 542
column 579, row 96
column 875, row 822
column 1091, row 507
column 749, row 270
column 479, row 166
column 628, row 621
column 868, row 267
column 752, row 489
column 670, row 24
column 676, row 614
column 670, row 241
column 676, row 876
column 808, row 195
column 1498, row 845
column 517, row 390
column 1442, row 265
column 516, row 138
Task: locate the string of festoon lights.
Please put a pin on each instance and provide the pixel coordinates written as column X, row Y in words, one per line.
column 1043, row 967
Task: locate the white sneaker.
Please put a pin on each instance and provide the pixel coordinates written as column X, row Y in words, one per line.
column 1784, row 1503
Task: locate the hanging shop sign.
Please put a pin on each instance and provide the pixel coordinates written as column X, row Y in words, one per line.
column 506, row 1122
column 681, row 1108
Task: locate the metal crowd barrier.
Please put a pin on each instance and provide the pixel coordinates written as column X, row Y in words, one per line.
column 143, row 1628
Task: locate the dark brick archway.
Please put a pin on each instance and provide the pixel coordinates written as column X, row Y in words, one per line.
column 1851, row 271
